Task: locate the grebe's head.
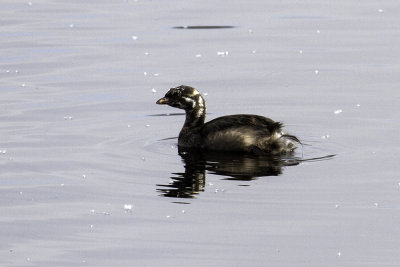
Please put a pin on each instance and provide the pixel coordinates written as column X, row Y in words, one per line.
column 183, row 97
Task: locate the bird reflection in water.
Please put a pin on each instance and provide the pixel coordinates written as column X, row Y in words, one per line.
column 230, row 165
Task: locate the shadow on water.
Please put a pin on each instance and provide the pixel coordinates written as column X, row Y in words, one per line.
column 230, row 165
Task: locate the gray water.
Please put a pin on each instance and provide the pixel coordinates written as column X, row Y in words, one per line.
column 87, row 158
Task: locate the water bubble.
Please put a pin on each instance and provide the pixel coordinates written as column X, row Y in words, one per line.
column 30, row 3
column 154, row 90
column 254, row 51
column 380, row 10
column 7, row 71
column 147, row 125
column 251, row 31
column 92, row 211
column 198, row 56
column 339, row 254
column 338, row 111
column 205, row 94
column 156, row 74
column 71, row 25
column 300, row 51
column 145, row 73
column 318, row 31
column 358, row 105
column 134, row 37
column 146, row 53
column 84, row 176
column 16, row 71
column 91, row 226
column 23, row 85
column 183, row 211
column 68, row 118
column 316, row 71
column 129, row 126
column 336, row 206
column 62, row 184
column 376, row 204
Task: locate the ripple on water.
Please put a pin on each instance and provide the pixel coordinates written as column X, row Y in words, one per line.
column 204, row 27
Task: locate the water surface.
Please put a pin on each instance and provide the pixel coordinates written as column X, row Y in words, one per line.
column 85, row 166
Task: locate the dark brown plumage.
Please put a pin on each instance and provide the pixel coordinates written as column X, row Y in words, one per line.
column 235, row 133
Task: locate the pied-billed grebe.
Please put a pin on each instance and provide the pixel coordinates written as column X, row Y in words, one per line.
column 235, row 133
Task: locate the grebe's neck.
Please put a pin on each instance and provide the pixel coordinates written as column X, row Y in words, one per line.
column 196, row 115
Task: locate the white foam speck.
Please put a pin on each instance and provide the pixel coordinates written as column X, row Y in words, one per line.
column 145, row 73
column 71, row 25
column 154, row 90
column 339, row 254
column 380, row 10
column 300, row 51
column 222, row 53
column 338, row 111
column 128, row 208
column 316, row 71
column 198, row 55
column 134, row 37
